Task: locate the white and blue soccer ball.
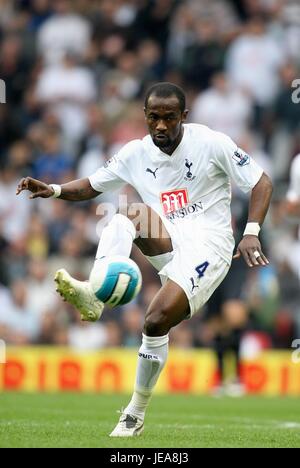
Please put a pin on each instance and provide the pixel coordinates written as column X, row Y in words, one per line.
column 115, row 280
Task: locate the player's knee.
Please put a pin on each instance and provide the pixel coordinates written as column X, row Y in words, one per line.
column 122, row 222
column 139, row 215
column 157, row 323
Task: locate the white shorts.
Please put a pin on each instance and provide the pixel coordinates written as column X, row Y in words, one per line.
column 197, row 271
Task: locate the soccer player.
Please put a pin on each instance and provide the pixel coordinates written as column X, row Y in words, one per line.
column 182, row 173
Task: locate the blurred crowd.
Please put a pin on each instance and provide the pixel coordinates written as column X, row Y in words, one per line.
column 75, row 73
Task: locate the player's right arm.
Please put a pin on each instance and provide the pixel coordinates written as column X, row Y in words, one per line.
column 76, row 190
column 112, row 176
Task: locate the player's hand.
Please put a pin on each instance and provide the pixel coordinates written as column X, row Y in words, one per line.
column 249, row 248
column 36, row 187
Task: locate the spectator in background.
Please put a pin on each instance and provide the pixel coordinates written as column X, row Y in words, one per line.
column 131, row 128
column 67, row 89
column 292, row 209
column 181, row 36
column 153, row 19
column 290, row 16
column 30, row 112
column 72, row 250
column 52, row 163
column 14, row 214
column 21, row 325
column 19, row 157
column 114, row 334
column 7, row 12
column 150, row 62
column 53, row 327
column 41, row 12
column 204, row 57
column 132, row 321
column 82, row 337
column 14, row 259
column 182, row 336
column 37, row 242
column 5, row 301
column 285, row 124
column 41, row 295
column 94, row 138
column 223, row 107
column 58, row 223
column 253, row 62
column 63, row 32
column 14, row 69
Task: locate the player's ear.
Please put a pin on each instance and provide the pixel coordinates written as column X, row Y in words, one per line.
column 184, row 115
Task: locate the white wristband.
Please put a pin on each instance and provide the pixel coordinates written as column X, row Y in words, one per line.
column 57, row 190
column 252, row 229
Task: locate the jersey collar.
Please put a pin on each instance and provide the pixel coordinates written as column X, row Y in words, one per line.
column 157, row 154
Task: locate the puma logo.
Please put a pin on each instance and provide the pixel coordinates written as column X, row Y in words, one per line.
column 151, row 357
column 152, row 172
column 193, row 284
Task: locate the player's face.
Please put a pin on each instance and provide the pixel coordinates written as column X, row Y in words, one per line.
column 164, row 119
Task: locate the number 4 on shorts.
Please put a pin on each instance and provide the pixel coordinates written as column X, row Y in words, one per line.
column 200, row 269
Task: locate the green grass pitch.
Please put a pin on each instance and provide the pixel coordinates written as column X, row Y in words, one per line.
column 73, row 420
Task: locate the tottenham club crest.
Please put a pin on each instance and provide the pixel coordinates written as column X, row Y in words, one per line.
column 241, row 158
column 189, row 175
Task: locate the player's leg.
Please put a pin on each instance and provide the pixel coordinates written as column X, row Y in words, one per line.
column 152, row 237
column 187, row 288
column 169, row 307
column 136, row 223
column 116, row 239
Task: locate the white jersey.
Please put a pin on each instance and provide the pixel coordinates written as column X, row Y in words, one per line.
column 190, row 189
column 294, row 188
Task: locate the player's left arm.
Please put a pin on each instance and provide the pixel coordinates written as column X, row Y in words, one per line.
column 258, row 208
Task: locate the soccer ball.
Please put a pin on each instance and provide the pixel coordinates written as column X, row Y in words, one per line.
column 115, row 280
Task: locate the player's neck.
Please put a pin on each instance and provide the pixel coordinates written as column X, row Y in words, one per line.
column 170, row 150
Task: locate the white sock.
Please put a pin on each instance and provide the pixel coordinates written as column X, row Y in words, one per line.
column 117, row 237
column 152, row 357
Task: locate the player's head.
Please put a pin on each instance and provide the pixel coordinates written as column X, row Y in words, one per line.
column 165, row 113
